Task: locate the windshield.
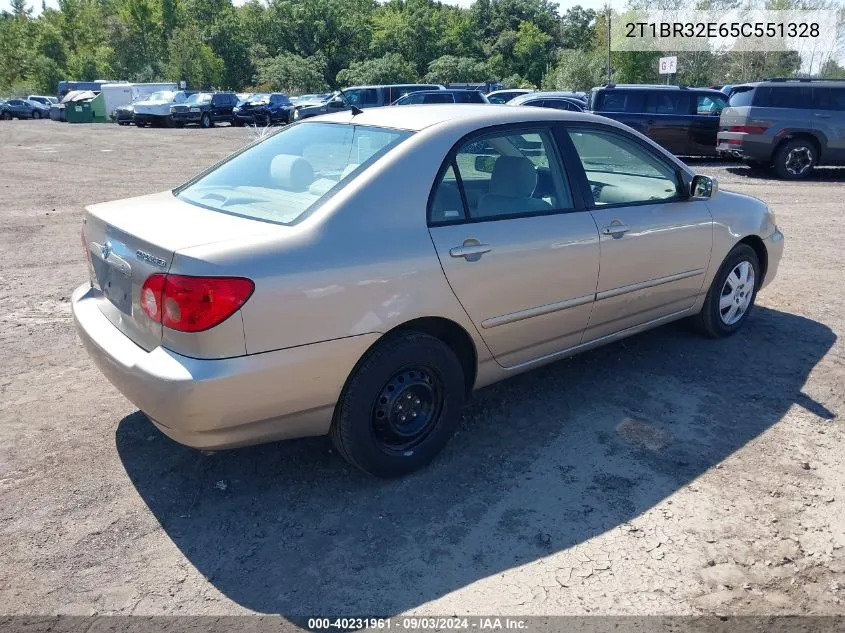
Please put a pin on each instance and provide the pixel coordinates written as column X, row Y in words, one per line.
column 199, row 97
column 162, row 95
column 259, row 98
column 284, row 176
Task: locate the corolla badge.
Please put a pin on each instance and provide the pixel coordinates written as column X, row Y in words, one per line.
column 107, row 249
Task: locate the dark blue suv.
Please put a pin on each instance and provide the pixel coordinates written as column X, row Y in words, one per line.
column 683, row 120
column 263, row 108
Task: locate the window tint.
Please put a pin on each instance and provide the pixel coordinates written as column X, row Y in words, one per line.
column 621, row 101
column 438, row 98
column 469, row 96
column 362, row 96
column 783, row 97
column 709, row 104
column 826, row 98
column 741, row 96
column 512, row 173
column 620, row 171
column 446, row 204
column 668, row 102
column 282, row 177
column 561, row 104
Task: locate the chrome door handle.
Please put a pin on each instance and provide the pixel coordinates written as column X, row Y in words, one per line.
column 615, row 229
column 470, row 250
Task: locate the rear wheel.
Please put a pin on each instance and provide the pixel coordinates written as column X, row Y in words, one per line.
column 205, row 120
column 139, row 124
column 732, row 293
column 795, row 159
column 400, row 406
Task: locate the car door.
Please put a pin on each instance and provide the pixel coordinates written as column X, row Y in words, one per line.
column 829, row 117
column 667, row 117
column 704, row 123
column 521, row 258
column 655, row 242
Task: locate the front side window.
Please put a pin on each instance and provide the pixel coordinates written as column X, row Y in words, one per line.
column 362, row 96
column 620, row 171
column 282, row 177
column 198, row 98
column 510, row 173
column 437, row 98
column 826, row 98
column 709, row 105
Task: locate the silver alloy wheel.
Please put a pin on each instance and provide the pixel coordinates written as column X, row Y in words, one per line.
column 737, row 293
column 799, row 160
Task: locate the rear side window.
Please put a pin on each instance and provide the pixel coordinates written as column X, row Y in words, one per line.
column 437, row 98
column 508, row 173
column 668, row 102
column 561, row 104
column 620, row 101
column 741, row 96
column 284, row 176
column 470, row 96
column 825, row 98
column 783, row 97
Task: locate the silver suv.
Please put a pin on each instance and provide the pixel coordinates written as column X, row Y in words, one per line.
column 791, row 125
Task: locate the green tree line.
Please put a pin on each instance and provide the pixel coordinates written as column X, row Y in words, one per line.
column 314, row 45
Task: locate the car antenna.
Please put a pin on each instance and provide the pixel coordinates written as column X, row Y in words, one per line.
column 355, row 109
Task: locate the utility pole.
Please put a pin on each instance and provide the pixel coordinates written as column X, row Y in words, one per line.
column 607, row 6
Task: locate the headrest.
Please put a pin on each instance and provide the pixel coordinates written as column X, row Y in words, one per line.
column 513, row 176
column 291, row 172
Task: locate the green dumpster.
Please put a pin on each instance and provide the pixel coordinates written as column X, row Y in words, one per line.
column 79, row 112
column 98, row 109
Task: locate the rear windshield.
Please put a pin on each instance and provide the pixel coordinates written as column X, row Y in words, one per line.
column 284, row 176
column 741, row 96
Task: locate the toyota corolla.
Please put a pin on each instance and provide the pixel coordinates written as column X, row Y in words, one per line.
column 359, row 274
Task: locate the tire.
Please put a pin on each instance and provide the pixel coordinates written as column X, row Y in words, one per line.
column 369, row 428
column 796, row 159
column 139, row 124
column 205, row 121
column 7, row 116
column 36, row 114
column 727, row 306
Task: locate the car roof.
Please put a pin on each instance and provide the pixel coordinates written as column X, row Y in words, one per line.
column 418, row 117
column 410, row 83
column 824, row 83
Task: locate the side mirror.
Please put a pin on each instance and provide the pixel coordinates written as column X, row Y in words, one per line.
column 703, row 187
column 485, row 164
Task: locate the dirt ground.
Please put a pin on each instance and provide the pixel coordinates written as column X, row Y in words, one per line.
column 664, row 474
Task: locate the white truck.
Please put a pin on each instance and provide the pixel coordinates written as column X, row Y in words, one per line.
column 155, row 109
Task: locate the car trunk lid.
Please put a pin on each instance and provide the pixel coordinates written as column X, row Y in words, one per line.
column 129, row 240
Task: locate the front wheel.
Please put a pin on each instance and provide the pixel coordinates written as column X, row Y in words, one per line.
column 36, row 114
column 732, row 293
column 400, row 406
column 795, row 159
column 205, row 121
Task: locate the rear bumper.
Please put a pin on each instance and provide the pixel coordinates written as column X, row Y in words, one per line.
column 221, row 403
column 739, row 145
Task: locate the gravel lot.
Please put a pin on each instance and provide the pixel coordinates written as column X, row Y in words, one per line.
column 664, row 474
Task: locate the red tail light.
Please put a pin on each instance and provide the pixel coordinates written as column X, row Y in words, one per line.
column 193, row 304
column 749, row 129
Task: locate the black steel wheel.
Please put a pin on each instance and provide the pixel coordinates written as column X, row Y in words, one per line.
column 407, row 408
column 400, row 405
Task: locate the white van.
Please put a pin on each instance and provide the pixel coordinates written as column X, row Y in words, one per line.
column 123, row 93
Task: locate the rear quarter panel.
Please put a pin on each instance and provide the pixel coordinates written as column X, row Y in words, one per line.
column 362, row 263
